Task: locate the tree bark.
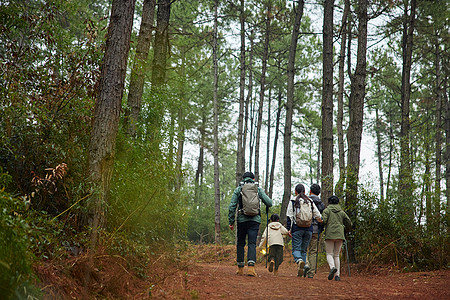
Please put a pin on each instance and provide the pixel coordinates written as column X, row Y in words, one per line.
column 405, row 207
column 161, row 44
column 248, row 102
column 447, row 147
column 379, row 154
column 275, row 143
column 356, row 111
column 290, row 108
column 216, row 133
column 262, row 89
column 327, row 102
column 240, row 145
column 137, row 79
column 107, row 108
column 437, row 178
column 160, row 49
column 266, row 183
column 339, row 190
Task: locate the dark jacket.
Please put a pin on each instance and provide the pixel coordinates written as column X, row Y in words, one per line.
column 320, row 206
column 235, row 203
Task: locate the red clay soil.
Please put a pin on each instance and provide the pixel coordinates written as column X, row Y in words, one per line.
column 208, row 272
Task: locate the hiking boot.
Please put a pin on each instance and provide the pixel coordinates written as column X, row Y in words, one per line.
column 310, row 276
column 251, row 271
column 306, row 270
column 332, row 272
column 300, row 266
column 337, row 278
column 271, row 265
column 275, row 272
column 240, row 271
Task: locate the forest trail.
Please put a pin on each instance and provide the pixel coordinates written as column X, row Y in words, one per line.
column 207, row 272
column 208, row 280
column 219, row 281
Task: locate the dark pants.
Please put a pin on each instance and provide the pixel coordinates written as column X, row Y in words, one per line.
column 276, row 253
column 249, row 229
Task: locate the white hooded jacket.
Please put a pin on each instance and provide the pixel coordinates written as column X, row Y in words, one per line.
column 276, row 233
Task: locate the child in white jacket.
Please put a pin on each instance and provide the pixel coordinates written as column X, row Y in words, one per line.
column 275, row 242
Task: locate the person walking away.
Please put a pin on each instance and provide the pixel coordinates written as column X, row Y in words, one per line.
column 311, row 258
column 300, row 213
column 246, row 198
column 334, row 220
column 273, row 236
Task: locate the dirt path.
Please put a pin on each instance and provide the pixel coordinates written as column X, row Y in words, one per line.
column 219, row 281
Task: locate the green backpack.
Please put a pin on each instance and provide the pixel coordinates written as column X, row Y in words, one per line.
column 249, row 200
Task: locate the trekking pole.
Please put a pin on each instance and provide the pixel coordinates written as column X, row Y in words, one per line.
column 267, row 230
column 317, row 252
column 346, row 252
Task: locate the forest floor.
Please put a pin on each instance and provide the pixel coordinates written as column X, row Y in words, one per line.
column 210, row 273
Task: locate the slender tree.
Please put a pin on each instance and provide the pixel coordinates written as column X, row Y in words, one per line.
column 137, row 79
column 327, row 102
column 216, row 131
column 406, row 213
column 340, row 102
column 107, row 107
column 356, row 110
column 240, row 143
column 262, row 88
column 298, row 12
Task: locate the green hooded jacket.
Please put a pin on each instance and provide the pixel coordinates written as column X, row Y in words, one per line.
column 335, row 221
column 235, row 203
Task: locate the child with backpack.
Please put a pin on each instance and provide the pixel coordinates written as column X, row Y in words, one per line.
column 335, row 220
column 274, row 239
column 300, row 213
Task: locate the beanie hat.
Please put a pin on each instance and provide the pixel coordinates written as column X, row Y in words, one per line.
column 248, row 174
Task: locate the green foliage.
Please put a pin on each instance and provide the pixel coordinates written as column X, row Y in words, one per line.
column 143, row 200
column 16, row 260
column 381, row 238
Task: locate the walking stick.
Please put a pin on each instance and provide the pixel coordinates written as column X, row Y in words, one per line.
column 346, row 252
column 317, row 252
column 267, row 230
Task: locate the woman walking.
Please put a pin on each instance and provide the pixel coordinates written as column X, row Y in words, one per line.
column 335, row 220
column 301, row 232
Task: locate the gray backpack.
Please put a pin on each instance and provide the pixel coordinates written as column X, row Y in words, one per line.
column 249, row 200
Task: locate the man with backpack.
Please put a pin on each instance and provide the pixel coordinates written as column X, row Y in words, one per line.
column 313, row 247
column 300, row 213
column 246, row 199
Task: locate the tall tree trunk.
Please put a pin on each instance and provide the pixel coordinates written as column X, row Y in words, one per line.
column 379, row 154
column 290, row 107
column 340, row 103
column 327, row 102
column 447, row 147
column 200, row 165
column 437, row 178
column 102, row 143
column 248, row 102
column 356, row 111
column 160, row 49
column 181, row 122
column 262, row 89
column 391, row 151
column 266, row 184
column 405, row 207
column 240, row 145
column 275, row 142
column 216, row 134
column 136, row 88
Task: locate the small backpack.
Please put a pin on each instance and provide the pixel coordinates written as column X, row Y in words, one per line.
column 304, row 216
column 249, row 200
